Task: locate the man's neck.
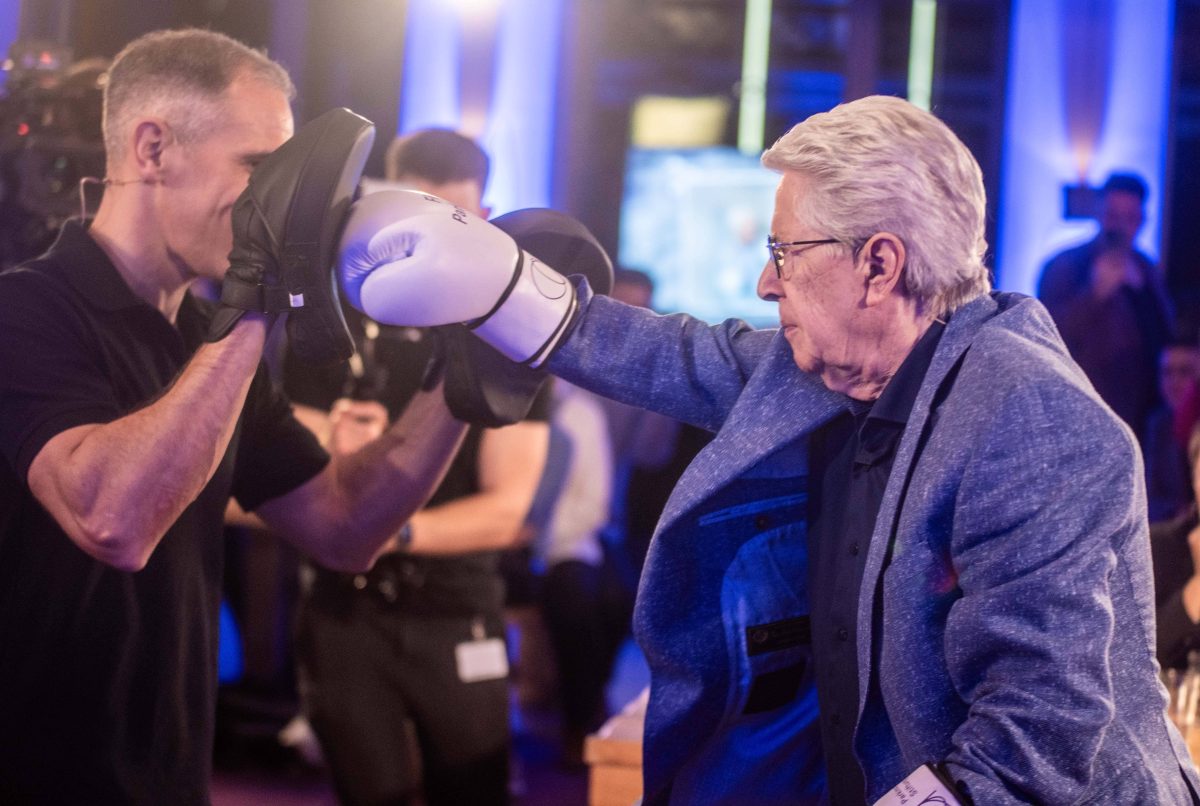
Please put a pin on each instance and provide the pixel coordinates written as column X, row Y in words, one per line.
column 127, row 236
column 872, row 361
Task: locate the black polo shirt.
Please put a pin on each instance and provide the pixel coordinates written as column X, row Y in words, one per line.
column 108, row 678
column 850, row 461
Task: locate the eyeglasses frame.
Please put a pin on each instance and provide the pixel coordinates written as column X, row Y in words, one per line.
column 780, row 250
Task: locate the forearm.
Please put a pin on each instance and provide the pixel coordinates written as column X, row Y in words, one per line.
column 116, row 488
column 509, row 466
column 354, row 509
column 673, row 365
column 480, row 522
column 1191, row 599
column 1175, row 626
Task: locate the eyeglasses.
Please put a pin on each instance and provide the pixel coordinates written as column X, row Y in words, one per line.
column 779, row 250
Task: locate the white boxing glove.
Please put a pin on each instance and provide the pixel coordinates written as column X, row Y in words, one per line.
column 409, row 258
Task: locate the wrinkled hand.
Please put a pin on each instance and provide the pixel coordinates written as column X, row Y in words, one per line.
column 354, row 423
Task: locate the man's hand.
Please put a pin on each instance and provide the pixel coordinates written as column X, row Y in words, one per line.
column 1112, row 269
column 353, row 424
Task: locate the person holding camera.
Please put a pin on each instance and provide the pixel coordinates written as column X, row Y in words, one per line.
column 1107, row 298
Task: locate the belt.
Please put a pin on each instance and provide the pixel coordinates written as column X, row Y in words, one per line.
column 391, row 576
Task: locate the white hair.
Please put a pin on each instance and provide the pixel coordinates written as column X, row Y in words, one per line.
column 880, row 164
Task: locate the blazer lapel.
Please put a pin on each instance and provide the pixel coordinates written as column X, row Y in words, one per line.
column 779, row 404
column 959, row 333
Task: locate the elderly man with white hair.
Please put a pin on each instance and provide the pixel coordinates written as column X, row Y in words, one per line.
column 915, row 505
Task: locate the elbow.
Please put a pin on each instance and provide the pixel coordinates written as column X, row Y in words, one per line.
column 511, row 530
column 518, row 537
column 117, row 548
column 348, row 556
column 344, row 563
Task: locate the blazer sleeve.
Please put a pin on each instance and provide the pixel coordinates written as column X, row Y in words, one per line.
column 1047, row 503
column 675, row 365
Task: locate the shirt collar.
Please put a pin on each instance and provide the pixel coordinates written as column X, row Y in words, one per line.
column 896, row 402
column 89, row 270
column 882, row 426
column 92, row 273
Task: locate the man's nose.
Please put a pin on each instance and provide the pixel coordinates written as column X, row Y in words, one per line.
column 769, row 286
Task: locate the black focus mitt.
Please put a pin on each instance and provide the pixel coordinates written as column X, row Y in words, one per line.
column 286, row 226
column 483, row 387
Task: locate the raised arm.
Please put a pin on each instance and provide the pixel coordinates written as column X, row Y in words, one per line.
column 345, row 516
column 408, row 259
column 115, row 488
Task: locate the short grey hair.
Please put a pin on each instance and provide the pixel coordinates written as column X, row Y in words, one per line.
column 881, row 164
column 180, row 76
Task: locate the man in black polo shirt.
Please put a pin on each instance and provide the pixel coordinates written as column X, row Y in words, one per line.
column 124, row 435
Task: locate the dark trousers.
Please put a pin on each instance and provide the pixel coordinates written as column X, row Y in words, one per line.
column 587, row 618
column 382, row 691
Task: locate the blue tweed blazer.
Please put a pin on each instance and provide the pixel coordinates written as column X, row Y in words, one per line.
column 1006, row 617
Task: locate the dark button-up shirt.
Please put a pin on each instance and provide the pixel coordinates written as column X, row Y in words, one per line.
column 850, row 462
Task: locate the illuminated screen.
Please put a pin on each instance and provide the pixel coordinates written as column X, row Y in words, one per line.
column 696, row 221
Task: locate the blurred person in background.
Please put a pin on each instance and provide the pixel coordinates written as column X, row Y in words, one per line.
column 584, row 609
column 402, row 670
column 1107, row 299
column 1168, row 477
column 1176, row 549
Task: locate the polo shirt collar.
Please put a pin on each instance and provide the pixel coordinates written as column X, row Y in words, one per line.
column 89, row 270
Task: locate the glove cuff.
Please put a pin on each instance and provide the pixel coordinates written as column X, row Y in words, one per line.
column 531, row 317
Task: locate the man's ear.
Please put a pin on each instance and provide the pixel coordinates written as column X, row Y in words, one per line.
column 151, row 137
column 881, row 261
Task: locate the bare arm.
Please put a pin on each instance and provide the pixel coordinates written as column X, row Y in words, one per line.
column 511, row 460
column 346, row 514
column 116, row 488
column 1191, row 591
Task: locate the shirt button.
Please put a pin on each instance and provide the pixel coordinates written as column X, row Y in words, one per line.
column 843, row 633
column 758, row 636
column 762, row 522
column 360, row 582
column 854, row 550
